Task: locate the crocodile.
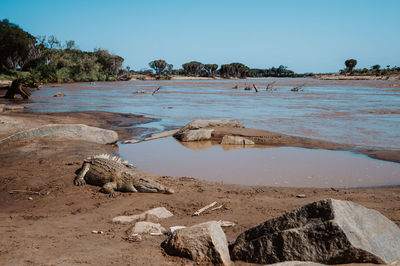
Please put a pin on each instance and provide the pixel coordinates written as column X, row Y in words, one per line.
column 115, row 174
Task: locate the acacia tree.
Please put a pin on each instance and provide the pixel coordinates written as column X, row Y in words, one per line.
column 350, row 64
column 210, row 69
column 237, row 70
column 192, row 68
column 158, row 66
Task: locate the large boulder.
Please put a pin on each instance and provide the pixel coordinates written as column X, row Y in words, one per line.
column 203, row 243
column 202, row 129
column 327, row 231
column 67, row 131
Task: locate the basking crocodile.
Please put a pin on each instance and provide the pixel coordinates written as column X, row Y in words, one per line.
column 114, row 174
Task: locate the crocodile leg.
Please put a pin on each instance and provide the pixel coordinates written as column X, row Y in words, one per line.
column 80, row 178
column 109, row 188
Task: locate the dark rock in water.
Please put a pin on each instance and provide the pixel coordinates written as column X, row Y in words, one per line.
column 327, row 231
column 205, row 243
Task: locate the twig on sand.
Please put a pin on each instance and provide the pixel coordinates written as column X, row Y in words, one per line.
column 197, row 213
column 216, row 208
column 28, row 192
column 156, row 90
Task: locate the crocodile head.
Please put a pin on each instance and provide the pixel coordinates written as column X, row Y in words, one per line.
column 148, row 185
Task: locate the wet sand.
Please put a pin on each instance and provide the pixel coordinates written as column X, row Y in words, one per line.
column 55, row 226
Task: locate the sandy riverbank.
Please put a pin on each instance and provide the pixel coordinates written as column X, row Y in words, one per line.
column 55, row 226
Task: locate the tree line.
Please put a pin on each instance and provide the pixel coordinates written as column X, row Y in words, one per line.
column 46, row 59
column 232, row 70
column 375, row 70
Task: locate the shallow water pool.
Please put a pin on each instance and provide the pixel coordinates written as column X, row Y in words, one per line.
column 285, row 166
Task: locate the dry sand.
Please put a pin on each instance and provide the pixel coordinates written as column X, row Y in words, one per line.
column 54, row 227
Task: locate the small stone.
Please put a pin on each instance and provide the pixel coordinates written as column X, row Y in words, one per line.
column 134, row 238
column 301, row 196
column 30, row 198
column 97, row 232
column 146, row 228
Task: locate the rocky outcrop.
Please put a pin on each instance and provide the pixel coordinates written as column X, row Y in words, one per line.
column 202, row 129
column 67, row 131
column 327, row 231
column 203, row 243
column 236, row 140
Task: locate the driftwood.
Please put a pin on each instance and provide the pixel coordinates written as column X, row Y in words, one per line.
column 197, row 213
column 255, row 87
column 17, row 88
column 298, row 88
column 217, row 208
column 270, row 86
column 156, row 90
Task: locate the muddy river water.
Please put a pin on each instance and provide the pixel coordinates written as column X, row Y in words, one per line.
column 364, row 113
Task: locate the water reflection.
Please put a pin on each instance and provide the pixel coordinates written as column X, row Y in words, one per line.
column 286, row 166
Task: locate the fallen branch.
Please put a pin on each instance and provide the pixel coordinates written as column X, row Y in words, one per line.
column 28, row 192
column 204, row 208
column 255, row 87
column 216, row 208
column 156, row 91
column 270, row 86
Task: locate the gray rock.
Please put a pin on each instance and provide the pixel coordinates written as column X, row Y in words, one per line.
column 327, row 231
column 67, row 131
column 155, row 213
column 205, row 243
column 196, row 135
column 236, row 140
column 200, row 129
column 144, row 227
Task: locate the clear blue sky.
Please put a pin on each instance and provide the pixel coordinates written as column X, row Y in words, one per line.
column 305, row 35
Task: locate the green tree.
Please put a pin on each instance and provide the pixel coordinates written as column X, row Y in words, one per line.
column 376, row 67
column 350, row 64
column 210, row 69
column 70, row 44
column 192, row 68
column 158, row 66
column 17, row 47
